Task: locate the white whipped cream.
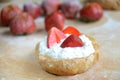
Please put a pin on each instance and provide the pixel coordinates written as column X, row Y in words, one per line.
column 68, row 52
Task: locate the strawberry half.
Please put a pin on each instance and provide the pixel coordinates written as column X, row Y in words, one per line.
column 72, row 41
column 54, row 36
column 71, row 30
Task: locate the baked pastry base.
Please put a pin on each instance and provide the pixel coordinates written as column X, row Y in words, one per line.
column 108, row 4
column 68, row 66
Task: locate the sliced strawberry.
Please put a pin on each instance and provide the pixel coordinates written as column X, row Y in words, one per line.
column 72, row 41
column 54, row 36
column 71, row 30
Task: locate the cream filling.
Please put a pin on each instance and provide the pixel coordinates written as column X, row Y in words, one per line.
column 69, row 52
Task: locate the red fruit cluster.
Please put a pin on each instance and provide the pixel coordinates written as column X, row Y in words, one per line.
column 56, row 13
column 55, row 35
column 19, row 21
column 70, row 8
column 8, row 13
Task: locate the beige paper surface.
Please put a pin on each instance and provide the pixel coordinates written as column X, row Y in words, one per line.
column 18, row 60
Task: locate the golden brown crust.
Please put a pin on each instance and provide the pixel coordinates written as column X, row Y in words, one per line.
column 108, row 4
column 68, row 66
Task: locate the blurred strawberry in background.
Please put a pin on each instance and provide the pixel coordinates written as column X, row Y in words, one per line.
column 22, row 24
column 33, row 9
column 8, row 13
column 70, row 8
column 50, row 6
column 91, row 12
column 56, row 19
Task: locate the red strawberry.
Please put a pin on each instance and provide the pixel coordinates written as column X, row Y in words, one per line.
column 91, row 12
column 33, row 9
column 71, row 30
column 70, row 8
column 56, row 19
column 50, row 6
column 22, row 24
column 8, row 13
column 72, row 41
column 54, row 36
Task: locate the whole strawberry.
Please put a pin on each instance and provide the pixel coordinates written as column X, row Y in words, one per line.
column 33, row 9
column 22, row 24
column 50, row 6
column 56, row 19
column 91, row 12
column 8, row 13
column 70, row 8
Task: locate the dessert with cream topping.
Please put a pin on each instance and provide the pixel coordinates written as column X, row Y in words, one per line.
column 67, row 52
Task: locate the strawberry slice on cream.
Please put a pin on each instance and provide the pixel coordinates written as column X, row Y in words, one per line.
column 71, row 30
column 54, row 36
